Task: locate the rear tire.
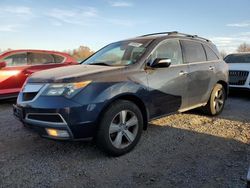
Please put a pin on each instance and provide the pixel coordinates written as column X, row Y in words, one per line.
column 120, row 128
column 216, row 101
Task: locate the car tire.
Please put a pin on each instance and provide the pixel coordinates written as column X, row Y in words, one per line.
column 120, row 128
column 216, row 101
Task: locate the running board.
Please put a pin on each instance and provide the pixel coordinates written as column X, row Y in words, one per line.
column 192, row 107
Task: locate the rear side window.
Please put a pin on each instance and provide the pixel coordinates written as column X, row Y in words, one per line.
column 40, row 58
column 193, row 51
column 58, row 59
column 16, row 60
column 211, row 56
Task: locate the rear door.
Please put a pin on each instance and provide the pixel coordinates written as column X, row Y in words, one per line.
column 11, row 76
column 168, row 86
column 201, row 72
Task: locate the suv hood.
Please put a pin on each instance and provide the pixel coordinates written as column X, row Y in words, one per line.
column 69, row 74
column 239, row 66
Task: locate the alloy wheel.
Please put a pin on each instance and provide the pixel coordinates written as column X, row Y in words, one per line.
column 219, row 99
column 123, row 129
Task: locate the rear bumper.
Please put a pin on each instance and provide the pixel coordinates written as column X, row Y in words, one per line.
column 8, row 93
column 78, row 121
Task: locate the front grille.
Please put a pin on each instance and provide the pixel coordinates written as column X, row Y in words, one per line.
column 238, row 77
column 29, row 96
column 53, row 118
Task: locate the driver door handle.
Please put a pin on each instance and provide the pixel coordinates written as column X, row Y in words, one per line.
column 183, row 73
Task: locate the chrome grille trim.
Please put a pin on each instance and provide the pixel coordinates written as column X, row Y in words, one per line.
column 45, row 122
column 238, row 77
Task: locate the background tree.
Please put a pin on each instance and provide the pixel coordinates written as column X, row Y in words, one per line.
column 244, row 47
column 223, row 54
column 80, row 53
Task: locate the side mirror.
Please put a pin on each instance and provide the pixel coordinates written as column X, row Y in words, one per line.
column 3, row 64
column 161, row 63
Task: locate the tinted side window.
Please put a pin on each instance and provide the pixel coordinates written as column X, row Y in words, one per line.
column 16, row 60
column 39, row 58
column 136, row 54
column 58, row 59
column 211, row 56
column 193, row 51
column 170, row 49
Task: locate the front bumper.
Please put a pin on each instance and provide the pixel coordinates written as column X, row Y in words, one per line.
column 79, row 121
column 40, row 122
column 242, row 88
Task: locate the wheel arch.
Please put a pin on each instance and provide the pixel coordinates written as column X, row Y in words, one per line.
column 132, row 98
column 225, row 86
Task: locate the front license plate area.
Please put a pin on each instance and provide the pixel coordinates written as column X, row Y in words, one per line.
column 18, row 112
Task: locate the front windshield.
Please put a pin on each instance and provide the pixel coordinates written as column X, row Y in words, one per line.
column 238, row 58
column 120, row 53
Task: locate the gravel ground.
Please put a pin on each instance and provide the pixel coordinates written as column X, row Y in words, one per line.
column 183, row 150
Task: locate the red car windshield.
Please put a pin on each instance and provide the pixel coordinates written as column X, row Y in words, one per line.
column 238, row 58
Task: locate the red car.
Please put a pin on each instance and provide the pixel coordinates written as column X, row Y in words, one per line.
column 17, row 65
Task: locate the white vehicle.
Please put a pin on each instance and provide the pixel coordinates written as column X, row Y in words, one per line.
column 239, row 70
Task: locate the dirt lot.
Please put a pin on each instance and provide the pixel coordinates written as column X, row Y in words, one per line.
column 184, row 150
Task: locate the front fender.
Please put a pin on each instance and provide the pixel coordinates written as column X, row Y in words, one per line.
column 100, row 94
column 122, row 89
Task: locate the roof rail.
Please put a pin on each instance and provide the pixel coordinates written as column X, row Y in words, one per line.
column 177, row 34
column 160, row 33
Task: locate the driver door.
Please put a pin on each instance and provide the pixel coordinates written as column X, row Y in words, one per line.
column 168, row 85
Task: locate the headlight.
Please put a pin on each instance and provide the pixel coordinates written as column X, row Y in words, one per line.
column 68, row 90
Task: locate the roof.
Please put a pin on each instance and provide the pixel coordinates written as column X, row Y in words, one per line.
column 172, row 34
column 31, row 50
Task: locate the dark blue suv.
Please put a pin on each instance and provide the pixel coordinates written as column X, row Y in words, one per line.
column 114, row 93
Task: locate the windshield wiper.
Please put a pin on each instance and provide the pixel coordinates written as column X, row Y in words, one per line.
column 100, row 63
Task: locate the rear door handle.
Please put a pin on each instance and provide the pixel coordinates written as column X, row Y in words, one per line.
column 183, row 73
column 211, row 68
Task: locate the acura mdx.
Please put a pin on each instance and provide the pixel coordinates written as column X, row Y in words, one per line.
column 113, row 94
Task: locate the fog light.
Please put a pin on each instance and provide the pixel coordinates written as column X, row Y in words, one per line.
column 58, row 133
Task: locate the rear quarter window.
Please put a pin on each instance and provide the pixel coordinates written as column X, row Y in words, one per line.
column 193, row 51
column 58, row 58
column 211, row 56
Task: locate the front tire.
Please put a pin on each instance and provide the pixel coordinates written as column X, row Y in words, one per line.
column 120, row 128
column 216, row 101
